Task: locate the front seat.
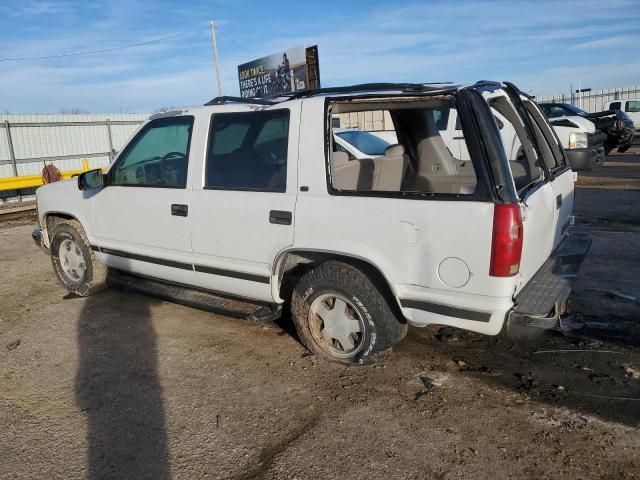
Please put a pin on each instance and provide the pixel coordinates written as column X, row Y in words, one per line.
column 389, row 169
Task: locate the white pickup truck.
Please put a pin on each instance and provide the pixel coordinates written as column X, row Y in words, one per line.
column 244, row 197
column 582, row 142
column 630, row 106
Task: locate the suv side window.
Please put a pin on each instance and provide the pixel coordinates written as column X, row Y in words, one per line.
column 441, row 117
column 614, row 106
column 423, row 158
column 248, row 151
column 157, row 157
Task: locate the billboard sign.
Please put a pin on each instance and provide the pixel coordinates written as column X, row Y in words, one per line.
column 283, row 72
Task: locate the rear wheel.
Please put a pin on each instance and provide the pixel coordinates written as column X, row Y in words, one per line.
column 340, row 315
column 74, row 262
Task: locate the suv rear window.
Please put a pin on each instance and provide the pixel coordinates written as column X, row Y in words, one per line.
column 248, row 151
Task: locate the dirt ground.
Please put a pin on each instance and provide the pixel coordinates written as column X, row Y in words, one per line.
column 120, row 385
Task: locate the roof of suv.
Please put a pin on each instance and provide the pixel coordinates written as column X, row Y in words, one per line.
column 364, row 88
column 346, row 91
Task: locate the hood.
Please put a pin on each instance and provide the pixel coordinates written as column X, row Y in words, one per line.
column 608, row 116
column 71, row 183
column 576, row 121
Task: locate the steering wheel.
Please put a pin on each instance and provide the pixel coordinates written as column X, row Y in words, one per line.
column 168, row 166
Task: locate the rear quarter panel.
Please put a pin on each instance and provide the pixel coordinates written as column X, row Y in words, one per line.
column 406, row 239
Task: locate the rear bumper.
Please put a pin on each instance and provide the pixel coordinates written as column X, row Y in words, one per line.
column 541, row 302
column 584, row 159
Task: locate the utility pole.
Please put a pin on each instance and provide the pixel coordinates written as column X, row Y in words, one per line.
column 215, row 58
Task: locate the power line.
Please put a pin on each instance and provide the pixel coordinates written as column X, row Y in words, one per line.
column 233, row 41
column 106, row 50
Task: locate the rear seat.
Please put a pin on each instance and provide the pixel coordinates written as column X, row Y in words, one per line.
column 351, row 175
column 389, row 169
column 344, row 174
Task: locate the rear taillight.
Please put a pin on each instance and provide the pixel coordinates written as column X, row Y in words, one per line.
column 506, row 246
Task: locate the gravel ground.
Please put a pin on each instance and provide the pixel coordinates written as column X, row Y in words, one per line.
column 120, row 385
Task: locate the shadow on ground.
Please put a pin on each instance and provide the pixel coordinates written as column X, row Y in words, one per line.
column 117, row 386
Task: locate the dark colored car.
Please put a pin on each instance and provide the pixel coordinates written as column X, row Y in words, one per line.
column 615, row 124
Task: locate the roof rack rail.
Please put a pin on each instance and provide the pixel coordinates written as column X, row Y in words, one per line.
column 364, row 87
column 226, row 99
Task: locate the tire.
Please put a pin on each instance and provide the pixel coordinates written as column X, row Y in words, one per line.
column 74, row 262
column 344, row 296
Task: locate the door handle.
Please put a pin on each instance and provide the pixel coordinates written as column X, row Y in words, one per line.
column 280, row 217
column 457, row 138
column 179, row 210
column 558, row 201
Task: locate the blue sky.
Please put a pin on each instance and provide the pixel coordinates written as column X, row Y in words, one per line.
column 540, row 45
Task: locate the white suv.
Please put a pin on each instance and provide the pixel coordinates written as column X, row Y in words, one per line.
column 244, row 197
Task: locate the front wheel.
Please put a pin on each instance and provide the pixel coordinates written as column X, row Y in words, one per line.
column 340, row 315
column 74, row 262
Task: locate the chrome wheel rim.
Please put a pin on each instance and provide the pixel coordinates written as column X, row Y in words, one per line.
column 71, row 260
column 336, row 325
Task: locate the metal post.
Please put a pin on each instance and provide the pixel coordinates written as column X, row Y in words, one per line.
column 215, row 58
column 110, row 140
column 12, row 154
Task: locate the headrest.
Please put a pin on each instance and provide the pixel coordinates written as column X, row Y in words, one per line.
column 339, row 158
column 396, row 150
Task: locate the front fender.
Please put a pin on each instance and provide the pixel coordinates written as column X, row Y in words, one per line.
column 64, row 199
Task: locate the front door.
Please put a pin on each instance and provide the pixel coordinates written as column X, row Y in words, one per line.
column 140, row 218
column 243, row 210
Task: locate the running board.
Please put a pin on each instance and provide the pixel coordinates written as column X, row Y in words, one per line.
column 195, row 297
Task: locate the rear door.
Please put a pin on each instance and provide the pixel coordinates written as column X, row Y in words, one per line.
column 531, row 182
column 242, row 209
column 562, row 177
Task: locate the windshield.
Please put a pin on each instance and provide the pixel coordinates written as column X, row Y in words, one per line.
column 555, row 110
column 576, row 110
column 365, row 142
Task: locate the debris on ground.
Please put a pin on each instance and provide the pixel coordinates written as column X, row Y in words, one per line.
column 632, row 372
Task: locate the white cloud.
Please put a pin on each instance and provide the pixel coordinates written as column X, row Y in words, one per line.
column 607, row 42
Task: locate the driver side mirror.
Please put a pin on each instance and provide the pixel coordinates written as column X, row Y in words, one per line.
column 91, row 179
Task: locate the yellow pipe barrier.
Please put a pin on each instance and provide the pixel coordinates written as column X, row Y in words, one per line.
column 31, row 181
